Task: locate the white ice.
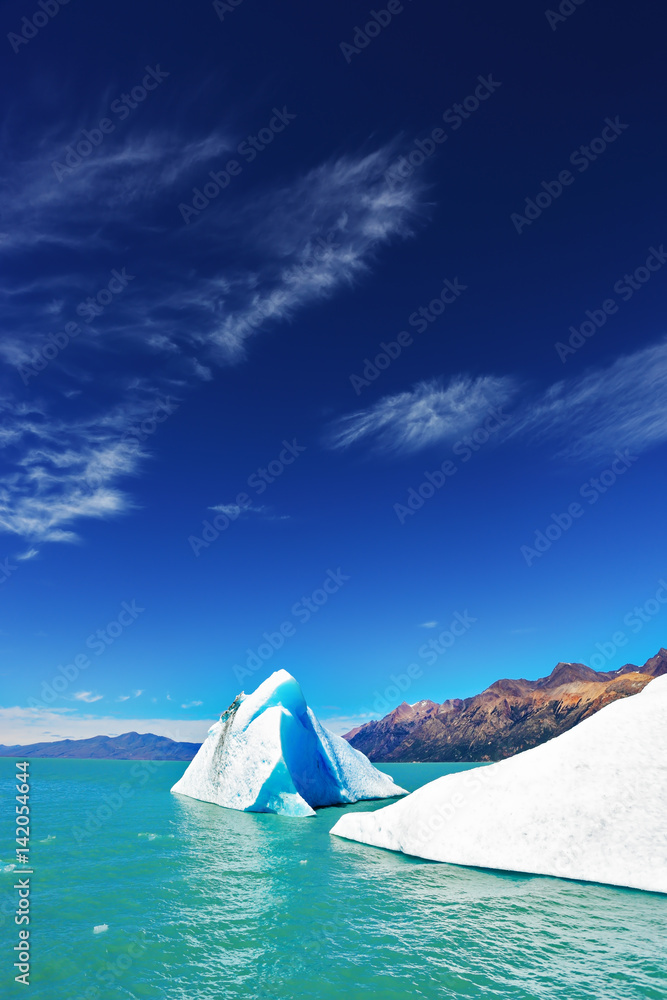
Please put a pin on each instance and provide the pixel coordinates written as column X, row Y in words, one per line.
column 590, row 804
column 269, row 753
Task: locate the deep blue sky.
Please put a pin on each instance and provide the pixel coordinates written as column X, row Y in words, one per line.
column 319, row 233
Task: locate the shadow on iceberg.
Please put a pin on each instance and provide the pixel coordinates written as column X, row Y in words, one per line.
column 269, row 753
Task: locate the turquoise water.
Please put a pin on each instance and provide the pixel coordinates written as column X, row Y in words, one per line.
column 203, row 902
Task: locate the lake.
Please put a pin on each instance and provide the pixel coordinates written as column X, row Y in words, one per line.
column 201, row 902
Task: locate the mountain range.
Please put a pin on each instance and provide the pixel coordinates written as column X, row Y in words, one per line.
column 506, row 718
column 128, row 746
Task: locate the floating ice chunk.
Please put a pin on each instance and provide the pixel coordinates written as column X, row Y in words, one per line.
column 590, row 804
column 100, row 928
column 268, row 753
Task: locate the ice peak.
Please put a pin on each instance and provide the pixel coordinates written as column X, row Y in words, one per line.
column 269, row 753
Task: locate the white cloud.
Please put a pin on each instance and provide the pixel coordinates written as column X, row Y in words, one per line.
column 61, row 471
column 123, row 697
column 137, row 693
column 341, row 724
column 233, row 510
column 192, row 704
column 428, row 625
column 29, row 554
column 123, row 176
column 87, row 696
column 618, row 406
column 323, row 231
column 621, row 405
column 430, row 413
column 20, row 725
column 313, row 236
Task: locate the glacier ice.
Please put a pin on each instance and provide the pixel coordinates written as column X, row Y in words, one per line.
column 268, row 753
column 589, row 804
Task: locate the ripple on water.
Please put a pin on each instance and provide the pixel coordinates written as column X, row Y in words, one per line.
column 217, row 903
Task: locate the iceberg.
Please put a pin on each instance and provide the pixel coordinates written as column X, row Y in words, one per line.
column 590, row 804
column 268, row 753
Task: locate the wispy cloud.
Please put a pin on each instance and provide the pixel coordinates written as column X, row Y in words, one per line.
column 87, row 696
column 619, row 405
column 322, row 231
column 341, row 724
column 26, row 725
column 428, row 625
column 129, row 173
column 64, row 470
column 252, row 263
column 191, row 704
column 233, row 511
column 429, row 413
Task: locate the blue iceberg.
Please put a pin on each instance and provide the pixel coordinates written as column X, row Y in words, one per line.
column 269, row 753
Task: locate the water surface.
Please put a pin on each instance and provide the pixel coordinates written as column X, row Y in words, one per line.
column 202, row 902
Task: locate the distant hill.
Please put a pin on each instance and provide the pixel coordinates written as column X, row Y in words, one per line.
column 506, row 718
column 129, row 746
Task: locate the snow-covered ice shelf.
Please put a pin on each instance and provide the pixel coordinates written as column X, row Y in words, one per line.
column 268, row 753
column 590, row 804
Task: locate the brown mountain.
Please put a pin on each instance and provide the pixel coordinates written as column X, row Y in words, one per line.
column 510, row 716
